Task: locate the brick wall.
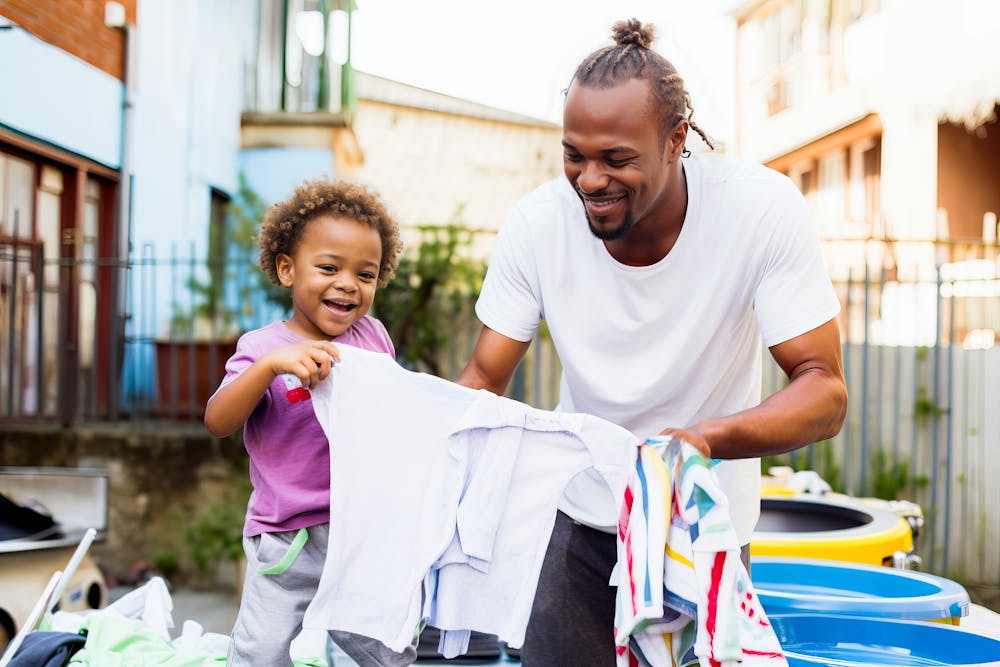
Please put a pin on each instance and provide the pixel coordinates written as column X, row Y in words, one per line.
column 75, row 26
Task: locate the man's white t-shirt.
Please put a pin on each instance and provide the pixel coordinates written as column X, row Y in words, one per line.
column 676, row 342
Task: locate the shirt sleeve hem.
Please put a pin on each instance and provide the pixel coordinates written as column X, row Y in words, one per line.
column 785, row 333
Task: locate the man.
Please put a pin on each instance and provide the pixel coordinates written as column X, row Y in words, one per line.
column 658, row 274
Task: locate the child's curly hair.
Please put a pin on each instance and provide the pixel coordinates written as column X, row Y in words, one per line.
column 284, row 222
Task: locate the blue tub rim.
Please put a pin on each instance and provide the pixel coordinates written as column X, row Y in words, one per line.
column 952, row 600
column 777, row 619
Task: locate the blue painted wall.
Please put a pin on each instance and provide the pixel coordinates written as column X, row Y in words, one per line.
column 49, row 95
column 274, row 172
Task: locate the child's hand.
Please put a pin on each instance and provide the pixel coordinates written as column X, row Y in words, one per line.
column 310, row 360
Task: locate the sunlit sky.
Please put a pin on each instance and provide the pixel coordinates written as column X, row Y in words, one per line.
column 520, row 54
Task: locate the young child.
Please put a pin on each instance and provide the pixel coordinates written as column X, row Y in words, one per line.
column 331, row 244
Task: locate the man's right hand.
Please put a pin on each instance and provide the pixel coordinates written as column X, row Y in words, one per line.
column 692, row 437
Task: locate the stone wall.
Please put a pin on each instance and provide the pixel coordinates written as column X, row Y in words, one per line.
column 162, row 479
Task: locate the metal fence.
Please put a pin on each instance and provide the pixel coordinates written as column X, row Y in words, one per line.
column 921, row 363
column 184, row 319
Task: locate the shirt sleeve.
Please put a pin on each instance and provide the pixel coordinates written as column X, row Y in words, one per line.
column 245, row 355
column 240, row 361
column 795, row 294
column 510, row 301
column 383, row 335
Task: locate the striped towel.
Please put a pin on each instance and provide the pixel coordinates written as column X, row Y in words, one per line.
column 684, row 596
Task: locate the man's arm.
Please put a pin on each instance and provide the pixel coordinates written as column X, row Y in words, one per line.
column 811, row 408
column 493, row 362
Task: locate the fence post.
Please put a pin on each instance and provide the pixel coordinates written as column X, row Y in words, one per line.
column 935, row 384
column 948, row 424
column 863, row 483
column 12, row 324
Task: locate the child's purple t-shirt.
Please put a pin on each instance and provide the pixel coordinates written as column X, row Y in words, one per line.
column 289, row 454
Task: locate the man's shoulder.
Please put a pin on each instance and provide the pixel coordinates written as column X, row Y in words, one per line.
column 722, row 169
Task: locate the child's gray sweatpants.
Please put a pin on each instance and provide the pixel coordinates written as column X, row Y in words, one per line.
column 283, row 571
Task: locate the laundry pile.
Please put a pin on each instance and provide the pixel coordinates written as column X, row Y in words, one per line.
column 133, row 631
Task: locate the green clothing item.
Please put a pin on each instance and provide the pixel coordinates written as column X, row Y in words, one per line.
column 123, row 642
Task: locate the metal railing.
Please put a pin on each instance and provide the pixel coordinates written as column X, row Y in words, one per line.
column 920, row 354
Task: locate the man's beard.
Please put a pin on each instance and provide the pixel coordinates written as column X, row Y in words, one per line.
column 613, row 234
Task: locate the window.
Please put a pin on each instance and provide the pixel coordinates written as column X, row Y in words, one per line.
column 17, row 196
column 301, row 51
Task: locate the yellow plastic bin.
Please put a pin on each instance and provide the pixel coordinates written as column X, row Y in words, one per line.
column 800, row 526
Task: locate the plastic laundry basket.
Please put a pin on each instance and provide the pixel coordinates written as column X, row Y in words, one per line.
column 803, row 585
column 810, row 640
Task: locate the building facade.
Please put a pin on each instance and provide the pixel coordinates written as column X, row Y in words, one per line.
column 62, row 116
column 119, row 173
column 885, row 115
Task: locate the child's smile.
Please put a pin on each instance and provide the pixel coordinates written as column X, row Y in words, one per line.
column 333, row 275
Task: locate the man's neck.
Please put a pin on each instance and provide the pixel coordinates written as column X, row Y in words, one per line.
column 655, row 235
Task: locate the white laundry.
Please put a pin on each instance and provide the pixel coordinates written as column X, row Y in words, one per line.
column 443, row 499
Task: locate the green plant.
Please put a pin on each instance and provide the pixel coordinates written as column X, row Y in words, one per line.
column 214, row 536
column 230, row 273
column 246, row 212
column 888, row 479
column 167, row 562
column 924, row 408
column 432, row 289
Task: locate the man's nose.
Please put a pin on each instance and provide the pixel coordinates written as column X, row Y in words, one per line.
column 592, row 177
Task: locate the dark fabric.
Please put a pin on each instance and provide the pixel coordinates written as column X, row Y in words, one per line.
column 18, row 521
column 47, row 649
column 368, row 652
column 481, row 646
column 572, row 619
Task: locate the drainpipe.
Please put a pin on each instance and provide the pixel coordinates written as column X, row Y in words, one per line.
column 114, row 17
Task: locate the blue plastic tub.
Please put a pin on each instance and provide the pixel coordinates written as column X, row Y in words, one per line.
column 810, row 640
column 803, row 585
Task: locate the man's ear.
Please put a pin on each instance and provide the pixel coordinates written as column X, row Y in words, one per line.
column 283, row 264
column 676, row 140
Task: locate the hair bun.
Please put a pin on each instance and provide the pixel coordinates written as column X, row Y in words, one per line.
column 633, row 31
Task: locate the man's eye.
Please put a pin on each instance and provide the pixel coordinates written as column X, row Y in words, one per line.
column 619, row 162
column 573, row 157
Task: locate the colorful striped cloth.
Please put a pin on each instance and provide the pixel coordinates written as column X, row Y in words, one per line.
column 684, row 596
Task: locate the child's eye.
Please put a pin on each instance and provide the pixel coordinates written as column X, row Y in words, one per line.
column 367, row 275
column 327, row 268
